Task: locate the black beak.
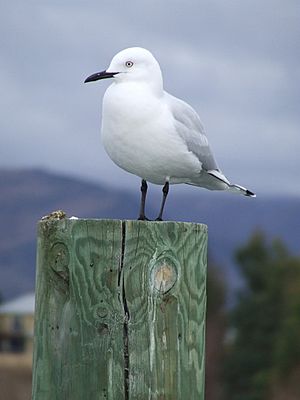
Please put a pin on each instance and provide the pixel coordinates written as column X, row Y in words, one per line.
column 100, row 75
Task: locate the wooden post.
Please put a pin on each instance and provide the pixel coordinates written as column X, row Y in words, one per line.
column 120, row 310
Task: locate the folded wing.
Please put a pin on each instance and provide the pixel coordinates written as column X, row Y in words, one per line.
column 189, row 127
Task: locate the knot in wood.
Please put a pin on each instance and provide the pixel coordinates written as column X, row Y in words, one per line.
column 60, row 259
column 164, row 276
column 101, row 312
column 103, row 329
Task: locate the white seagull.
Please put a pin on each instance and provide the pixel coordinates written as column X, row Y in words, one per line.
column 152, row 134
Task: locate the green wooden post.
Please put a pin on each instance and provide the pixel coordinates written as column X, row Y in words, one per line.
column 120, row 310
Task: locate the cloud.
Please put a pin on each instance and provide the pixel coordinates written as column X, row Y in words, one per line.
column 236, row 62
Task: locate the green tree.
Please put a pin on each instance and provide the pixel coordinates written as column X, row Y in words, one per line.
column 265, row 324
column 215, row 330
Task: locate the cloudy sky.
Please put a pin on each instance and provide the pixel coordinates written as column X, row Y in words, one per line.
column 237, row 62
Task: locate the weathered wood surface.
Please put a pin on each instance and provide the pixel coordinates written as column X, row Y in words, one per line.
column 120, row 310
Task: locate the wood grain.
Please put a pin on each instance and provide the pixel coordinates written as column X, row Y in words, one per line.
column 120, row 310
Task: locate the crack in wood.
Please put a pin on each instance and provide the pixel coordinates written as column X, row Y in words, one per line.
column 126, row 315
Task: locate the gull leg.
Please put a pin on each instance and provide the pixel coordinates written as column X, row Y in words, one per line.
column 165, row 194
column 144, row 188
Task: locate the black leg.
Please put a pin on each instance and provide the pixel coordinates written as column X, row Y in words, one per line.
column 144, row 188
column 165, row 194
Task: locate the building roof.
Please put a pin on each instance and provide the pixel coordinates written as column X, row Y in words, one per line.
column 21, row 305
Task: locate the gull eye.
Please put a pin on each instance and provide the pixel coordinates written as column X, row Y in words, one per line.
column 129, row 64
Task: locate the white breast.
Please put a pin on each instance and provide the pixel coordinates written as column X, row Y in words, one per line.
column 138, row 135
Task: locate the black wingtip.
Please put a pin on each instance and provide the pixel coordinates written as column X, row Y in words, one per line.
column 250, row 194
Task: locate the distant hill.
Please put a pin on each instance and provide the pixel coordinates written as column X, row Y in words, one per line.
column 26, row 195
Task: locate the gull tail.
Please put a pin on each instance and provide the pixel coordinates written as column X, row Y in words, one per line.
column 230, row 187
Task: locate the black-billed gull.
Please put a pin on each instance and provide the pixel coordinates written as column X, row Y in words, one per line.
column 152, row 134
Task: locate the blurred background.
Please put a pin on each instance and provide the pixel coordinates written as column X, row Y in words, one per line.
column 237, row 63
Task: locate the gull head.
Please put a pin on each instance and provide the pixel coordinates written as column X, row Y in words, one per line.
column 133, row 64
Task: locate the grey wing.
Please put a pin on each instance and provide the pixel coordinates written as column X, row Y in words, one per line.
column 191, row 131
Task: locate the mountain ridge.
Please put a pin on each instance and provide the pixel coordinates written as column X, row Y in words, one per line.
column 26, row 195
